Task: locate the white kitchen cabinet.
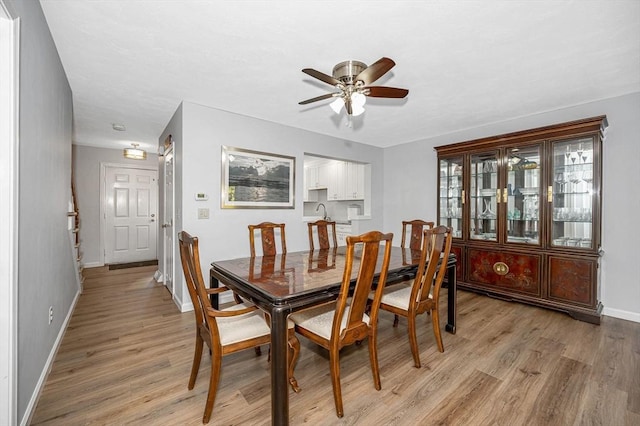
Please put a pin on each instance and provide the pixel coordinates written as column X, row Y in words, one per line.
column 310, row 177
column 342, row 232
column 323, row 176
column 346, row 181
column 316, row 176
column 336, row 180
column 354, row 182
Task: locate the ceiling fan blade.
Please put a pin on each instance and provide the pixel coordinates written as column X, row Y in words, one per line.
column 385, row 92
column 319, row 98
column 375, row 70
column 321, row 76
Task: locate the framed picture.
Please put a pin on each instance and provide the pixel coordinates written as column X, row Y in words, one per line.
column 257, row 180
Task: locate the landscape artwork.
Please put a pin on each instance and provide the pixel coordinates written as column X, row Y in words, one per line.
column 252, row 179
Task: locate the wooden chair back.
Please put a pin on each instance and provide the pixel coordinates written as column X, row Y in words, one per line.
column 432, row 268
column 354, row 305
column 326, row 234
column 423, row 292
column 415, row 229
column 221, row 338
column 350, row 322
column 268, row 231
column 190, row 258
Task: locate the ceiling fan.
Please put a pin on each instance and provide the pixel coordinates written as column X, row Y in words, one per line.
column 353, row 79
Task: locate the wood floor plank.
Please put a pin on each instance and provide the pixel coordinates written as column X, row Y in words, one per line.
column 559, row 399
column 126, row 356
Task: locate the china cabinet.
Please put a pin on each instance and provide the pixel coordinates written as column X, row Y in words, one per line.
column 525, row 210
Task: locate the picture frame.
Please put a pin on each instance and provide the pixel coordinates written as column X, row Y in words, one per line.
column 257, row 180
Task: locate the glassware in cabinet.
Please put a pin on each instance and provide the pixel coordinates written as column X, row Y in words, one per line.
column 523, row 197
column 572, row 193
column 451, row 194
column 484, row 196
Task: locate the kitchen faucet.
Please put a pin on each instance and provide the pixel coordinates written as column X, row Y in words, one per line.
column 324, row 209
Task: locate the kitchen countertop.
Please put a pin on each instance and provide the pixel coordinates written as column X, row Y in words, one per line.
column 337, row 221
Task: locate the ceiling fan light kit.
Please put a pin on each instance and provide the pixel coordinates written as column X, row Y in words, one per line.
column 353, row 79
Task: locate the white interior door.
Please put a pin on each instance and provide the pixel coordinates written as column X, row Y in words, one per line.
column 167, row 226
column 130, row 214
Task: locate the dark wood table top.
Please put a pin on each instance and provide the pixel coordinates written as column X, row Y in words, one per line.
column 283, row 279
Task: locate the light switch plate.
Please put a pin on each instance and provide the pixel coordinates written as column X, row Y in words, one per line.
column 203, row 213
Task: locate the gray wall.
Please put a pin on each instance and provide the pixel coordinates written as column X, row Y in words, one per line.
column 198, row 162
column 411, row 192
column 46, row 275
column 86, row 169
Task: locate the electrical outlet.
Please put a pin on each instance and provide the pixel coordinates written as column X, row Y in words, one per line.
column 50, row 314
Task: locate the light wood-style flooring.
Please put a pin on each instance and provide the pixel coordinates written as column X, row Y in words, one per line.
column 127, row 353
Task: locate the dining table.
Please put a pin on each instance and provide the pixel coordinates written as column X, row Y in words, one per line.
column 286, row 283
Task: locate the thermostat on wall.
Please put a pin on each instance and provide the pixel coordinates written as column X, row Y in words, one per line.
column 201, row 196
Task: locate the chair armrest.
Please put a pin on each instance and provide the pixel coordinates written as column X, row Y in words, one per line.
column 215, row 313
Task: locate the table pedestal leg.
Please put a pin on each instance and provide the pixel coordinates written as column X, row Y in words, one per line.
column 279, row 373
column 213, row 283
column 451, row 299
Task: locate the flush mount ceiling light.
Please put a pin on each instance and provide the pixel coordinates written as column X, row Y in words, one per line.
column 135, row 153
column 353, row 79
column 118, row 127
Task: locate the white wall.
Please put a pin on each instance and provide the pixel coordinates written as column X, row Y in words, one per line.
column 46, row 274
column 86, row 170
column 411, row 193
column 225, row 235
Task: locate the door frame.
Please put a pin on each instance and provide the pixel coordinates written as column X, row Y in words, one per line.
column 172, row 290
column 103, row 200
column 9, row 191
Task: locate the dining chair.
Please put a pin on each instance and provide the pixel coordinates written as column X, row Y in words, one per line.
column 412, row 298
column 334, row 326
column 225, row 331
column 326, row 232
column 415, row 228
column 268, row 237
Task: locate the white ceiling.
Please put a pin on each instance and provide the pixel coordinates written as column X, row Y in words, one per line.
column 465, row 63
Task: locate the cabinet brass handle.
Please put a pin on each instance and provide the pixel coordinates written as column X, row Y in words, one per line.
column 505, row 194
column 500, row 268
column 498, row 195
column 550, row 193
column 463, row 196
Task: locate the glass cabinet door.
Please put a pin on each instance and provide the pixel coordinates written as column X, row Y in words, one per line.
column 484, row 196
column 451, row 194
column 523, row 195
column 572, row 200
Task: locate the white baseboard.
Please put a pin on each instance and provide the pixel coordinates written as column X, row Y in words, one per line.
column 33, row 402
column 188, row 306
column 620, row 314
column 92, row 264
